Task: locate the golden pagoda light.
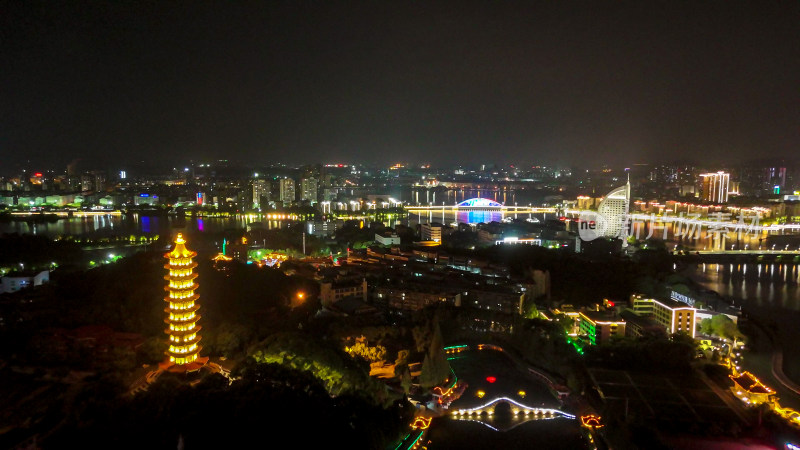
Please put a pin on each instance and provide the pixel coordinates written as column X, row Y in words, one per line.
column 182, row 314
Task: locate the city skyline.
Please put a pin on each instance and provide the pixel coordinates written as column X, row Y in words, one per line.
column 377, row 225
column 381, row 83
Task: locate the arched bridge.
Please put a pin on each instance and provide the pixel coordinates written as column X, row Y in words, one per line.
column 481, row 204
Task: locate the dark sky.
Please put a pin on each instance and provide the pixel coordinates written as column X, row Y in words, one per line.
column 442, row 82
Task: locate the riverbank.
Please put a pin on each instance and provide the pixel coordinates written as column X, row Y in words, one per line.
column 769, row 320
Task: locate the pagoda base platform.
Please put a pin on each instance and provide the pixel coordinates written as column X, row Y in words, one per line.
column 194, row 366
column 190, row 373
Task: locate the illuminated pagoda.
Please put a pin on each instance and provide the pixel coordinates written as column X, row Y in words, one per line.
column 182, row 317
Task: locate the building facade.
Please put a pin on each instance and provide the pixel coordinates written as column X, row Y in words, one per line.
column 260, row 191
column 714, row 187
column 676, row 317
column 613, row 211
column 672, row 316
column 323, row 228
column 286, row 191
column 406, row 299
column 500, row 300
column 308, row 190
column 333, row 291
column 18, row 281
column 599, row 326
column 388, row 239
column 431, row 232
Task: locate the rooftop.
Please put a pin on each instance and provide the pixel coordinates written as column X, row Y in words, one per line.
column 673, row 303
column 23, row 273
column 602, row 316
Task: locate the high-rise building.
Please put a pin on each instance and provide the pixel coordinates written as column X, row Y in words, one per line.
column 308, row 189
column 260, row 189
column 613, row 210
column 715, row 187
column 776, row 177
column 87, row 182
column 182, row 314
column 99, row 181
column 286, row 187
column 431, row 232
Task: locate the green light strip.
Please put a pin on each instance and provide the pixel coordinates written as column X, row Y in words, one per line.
column 456, row 346
column 402, row 440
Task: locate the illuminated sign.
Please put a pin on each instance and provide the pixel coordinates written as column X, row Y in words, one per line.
column 682, row 298
column 421, row 423
column 591, row 421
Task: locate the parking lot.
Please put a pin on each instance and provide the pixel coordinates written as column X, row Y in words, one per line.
column 674, row 398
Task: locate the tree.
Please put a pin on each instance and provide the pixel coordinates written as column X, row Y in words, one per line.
column 402, row 358
column 230, row 339
column 122, row 359
column 435, row 367
column 566, row 322
column 530, row 310
column 364, row 351
column 421, row 337
column 426, row 377
column 706, row 327
column 405, row 380
column 723, row 326
column 152, row 350
column 339, row 374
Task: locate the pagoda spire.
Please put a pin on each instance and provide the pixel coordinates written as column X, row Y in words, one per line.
column 182, row 317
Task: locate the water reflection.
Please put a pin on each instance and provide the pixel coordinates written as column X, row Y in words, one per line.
column 773, row 285
column 121, row 225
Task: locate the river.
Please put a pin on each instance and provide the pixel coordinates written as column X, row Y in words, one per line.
column 122, row 225
column 769, row 293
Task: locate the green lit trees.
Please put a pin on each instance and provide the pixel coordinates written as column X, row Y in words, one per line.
column 721, row 325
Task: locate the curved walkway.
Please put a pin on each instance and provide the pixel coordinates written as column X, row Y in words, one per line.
column 524, row 409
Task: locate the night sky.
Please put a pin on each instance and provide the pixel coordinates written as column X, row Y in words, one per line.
column 440, row 82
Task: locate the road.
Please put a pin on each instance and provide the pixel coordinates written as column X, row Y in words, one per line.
column 777, row 372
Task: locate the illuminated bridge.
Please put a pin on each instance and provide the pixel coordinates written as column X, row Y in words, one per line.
column 481, row 204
